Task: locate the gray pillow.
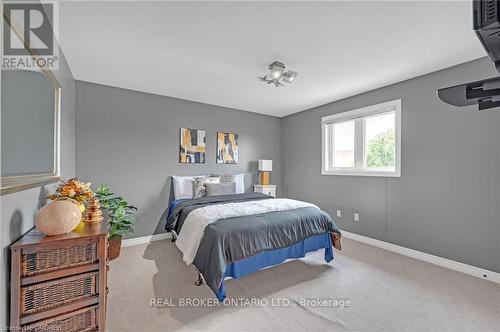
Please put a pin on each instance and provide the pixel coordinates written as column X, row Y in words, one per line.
column 224, row 178
column 214, row 189
column 199, row 189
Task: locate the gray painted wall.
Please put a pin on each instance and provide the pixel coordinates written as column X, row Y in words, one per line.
column 130, row 140
column 447, row 201
column 18, row 209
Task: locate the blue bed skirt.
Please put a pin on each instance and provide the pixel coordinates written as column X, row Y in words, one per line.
column 252, row 264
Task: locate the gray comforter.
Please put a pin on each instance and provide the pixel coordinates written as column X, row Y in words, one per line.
column 229, row 240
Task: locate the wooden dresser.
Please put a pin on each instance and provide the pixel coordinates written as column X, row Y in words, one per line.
column 58, row 283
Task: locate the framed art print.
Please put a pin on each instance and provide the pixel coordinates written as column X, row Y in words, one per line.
column 227, row 148
column 192, row 146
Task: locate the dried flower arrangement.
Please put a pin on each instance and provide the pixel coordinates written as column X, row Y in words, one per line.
column 73, row 189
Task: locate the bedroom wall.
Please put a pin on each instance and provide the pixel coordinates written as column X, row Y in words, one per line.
column 18, row 209
column 447, row 201
column 130, row 140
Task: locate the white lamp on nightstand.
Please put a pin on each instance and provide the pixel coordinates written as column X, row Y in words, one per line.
column 265, row 166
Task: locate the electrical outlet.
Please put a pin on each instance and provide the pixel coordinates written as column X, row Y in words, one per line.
column 356, row 217
column 339, row 214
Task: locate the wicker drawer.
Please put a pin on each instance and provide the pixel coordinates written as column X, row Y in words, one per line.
column 82, row 320
column 50, row 294
column 46, row 260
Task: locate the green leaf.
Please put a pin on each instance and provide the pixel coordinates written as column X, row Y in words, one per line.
column 381, row 150
column 119, row 211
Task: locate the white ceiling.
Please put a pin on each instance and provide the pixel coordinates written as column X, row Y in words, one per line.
column 211, row 52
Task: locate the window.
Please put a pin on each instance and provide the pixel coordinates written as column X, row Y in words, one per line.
column 365, row 142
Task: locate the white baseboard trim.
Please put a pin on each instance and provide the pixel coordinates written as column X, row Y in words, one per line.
column 145, row 239
column 436, row 260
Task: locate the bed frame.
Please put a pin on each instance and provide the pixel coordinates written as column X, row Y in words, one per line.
column 269, row 258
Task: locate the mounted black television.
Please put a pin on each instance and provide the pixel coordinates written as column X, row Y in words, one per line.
column 486, row 93
column 487, row 27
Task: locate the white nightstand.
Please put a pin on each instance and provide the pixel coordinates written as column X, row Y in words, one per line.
column 268, row 189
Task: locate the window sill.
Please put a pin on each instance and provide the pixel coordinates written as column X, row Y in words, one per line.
column 382, row 174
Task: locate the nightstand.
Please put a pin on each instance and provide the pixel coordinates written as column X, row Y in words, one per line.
column 268, row 189
column 59, row 283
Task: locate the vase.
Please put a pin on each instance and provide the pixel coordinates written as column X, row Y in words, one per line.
column 93, row 213
column 58, row 217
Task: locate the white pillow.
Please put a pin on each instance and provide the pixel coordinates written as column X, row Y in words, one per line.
column 240, row 183
column 183, row 186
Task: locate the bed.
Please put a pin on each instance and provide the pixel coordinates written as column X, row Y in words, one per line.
column 238, row 234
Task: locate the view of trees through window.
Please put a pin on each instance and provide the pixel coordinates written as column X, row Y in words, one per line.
column 381, row 150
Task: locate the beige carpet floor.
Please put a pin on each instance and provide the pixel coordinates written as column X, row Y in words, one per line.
column 387, row 292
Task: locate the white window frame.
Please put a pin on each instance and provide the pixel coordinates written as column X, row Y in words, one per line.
column 328, row 156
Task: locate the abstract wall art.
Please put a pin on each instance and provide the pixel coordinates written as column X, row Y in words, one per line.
column 192, row 146
column 227, row 148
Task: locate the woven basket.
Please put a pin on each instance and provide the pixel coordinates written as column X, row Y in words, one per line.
column 56, row 259
column 51, row 294
column 82, row 320
column 114, row 247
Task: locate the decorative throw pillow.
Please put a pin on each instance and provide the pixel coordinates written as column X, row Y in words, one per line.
column 199, row 189
column 225, row 178
column 238, row 178
column 214, row 189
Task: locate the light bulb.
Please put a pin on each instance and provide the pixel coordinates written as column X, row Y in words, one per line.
column 289, row 76
column 276, row 73
column 276, row 70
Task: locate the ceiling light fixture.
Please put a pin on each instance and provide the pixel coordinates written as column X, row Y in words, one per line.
column 277, row 72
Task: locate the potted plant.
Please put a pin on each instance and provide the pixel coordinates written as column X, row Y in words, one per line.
column 121, row 218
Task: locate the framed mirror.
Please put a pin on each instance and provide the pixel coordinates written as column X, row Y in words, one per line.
column 30, row 129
